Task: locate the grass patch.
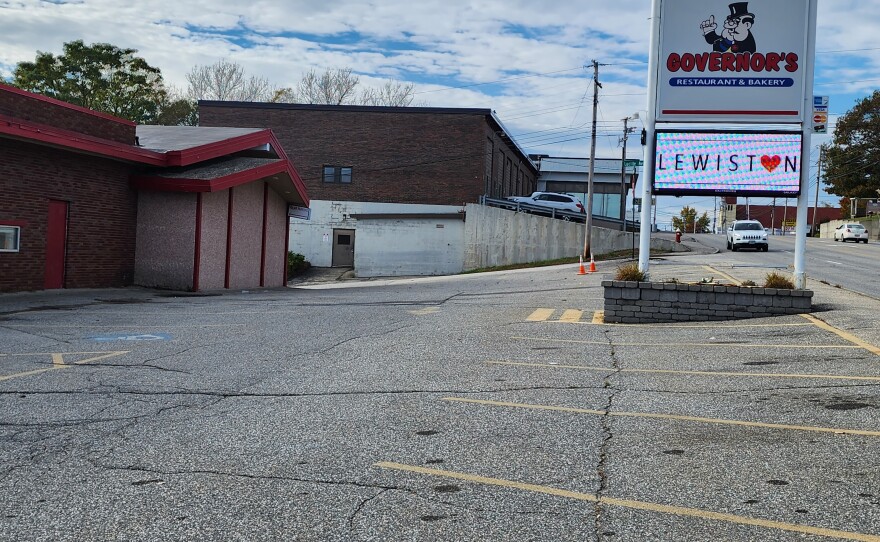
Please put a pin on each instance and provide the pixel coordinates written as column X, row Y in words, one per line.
column 617, row 255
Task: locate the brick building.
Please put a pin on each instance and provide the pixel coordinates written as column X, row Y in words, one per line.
column 92, row 201
column 409, row 167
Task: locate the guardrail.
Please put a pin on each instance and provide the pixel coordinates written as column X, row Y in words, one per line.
column 502, row 203
column 568, row 216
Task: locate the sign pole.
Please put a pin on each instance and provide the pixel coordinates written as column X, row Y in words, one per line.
column 648, row 169
column 800, row 241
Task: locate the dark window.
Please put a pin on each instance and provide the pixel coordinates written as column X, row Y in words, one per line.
column 344, row 239
column 336, row 174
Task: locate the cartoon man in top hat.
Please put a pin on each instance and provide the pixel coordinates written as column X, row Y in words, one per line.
column 737, row 34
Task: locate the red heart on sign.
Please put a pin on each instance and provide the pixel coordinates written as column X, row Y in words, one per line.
column 770, row 163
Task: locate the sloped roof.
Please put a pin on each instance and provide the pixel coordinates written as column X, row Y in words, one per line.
column 170, row 150
column 178, row 138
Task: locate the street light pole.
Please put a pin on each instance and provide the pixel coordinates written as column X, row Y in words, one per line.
column 818, row 176
column 589, row 222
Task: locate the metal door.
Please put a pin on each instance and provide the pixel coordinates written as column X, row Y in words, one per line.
column 56, row 244
column 343, row 248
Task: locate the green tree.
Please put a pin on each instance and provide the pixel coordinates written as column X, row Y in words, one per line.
column 100, row 76
column 852, row 162
column 687, row 221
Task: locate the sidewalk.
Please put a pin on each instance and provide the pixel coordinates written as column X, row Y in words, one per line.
column 690, row 240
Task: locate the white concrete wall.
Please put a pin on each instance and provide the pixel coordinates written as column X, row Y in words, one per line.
column 495, row 237
column 387, row 248
column 417, row 244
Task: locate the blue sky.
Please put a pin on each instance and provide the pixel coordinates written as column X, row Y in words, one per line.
column 525, row 60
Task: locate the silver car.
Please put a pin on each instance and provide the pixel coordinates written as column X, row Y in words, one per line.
column 851, row 232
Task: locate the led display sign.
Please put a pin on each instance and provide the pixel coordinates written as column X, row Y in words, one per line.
column 729, row 163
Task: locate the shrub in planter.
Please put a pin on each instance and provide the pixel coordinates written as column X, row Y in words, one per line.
column 630, row 272
column 780, row 282
column 296, row 264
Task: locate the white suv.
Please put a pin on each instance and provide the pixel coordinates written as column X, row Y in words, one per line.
column 747, row 234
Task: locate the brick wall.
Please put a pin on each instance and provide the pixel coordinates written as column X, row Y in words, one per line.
column 18, row 104
column 101, row 227
column 426, row 157
column 650, row 302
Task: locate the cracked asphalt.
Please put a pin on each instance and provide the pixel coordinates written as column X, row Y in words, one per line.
column 433, row 409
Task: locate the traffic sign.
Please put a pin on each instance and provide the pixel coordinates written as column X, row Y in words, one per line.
column 632, row 162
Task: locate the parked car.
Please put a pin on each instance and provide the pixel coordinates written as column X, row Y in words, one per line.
column 851, row 232
column 747, row 234
column 552, row 200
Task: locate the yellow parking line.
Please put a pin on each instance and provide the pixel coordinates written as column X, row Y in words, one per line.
column 694, row 373
column 711, row 269
column 632, row 504
column 704, row 326
column 696, row 345
column 58, row 361
column 540, row 315
column 674, row 417
column 571, row 315
column 598, row 317
column 843, row 334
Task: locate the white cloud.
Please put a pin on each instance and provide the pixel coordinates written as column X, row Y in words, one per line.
column 437, row 44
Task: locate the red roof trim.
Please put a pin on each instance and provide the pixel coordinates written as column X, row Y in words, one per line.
column 78, row 141
column 66, row 105
column 208, row 151
column 180, row 184
column 298, row 183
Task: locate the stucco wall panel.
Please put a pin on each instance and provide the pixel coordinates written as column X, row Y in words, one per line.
column 165, row 240
column 276, row 252
column 247, row 236
column 212, row 269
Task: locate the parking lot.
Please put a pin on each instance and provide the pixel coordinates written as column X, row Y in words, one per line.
column 477, row 407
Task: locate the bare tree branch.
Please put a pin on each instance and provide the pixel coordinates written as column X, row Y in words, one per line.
column 226, row 81
column 393, row 93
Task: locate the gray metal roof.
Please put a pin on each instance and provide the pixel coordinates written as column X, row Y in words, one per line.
column 178, row 138
column 215, row 169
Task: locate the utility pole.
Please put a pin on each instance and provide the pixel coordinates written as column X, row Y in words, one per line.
column 818, row 176
column 589, row 222
column 773, row 217
column 626, row 132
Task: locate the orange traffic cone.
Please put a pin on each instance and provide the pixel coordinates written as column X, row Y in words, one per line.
column 582, row 271
column 592, row 264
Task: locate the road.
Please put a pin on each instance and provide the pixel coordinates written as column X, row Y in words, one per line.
column 853, row 266
column 477, row 407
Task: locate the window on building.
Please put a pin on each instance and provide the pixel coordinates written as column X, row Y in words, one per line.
column 10, row 237
column 337, row 174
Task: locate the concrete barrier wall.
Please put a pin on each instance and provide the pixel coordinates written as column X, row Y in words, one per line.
column 826, row 231
column 495, row 237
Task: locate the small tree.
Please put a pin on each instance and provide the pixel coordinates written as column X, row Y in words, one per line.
column 392, row 93
column 845, row 208
column 687, row 221
column 333, row 87
column 340, row 87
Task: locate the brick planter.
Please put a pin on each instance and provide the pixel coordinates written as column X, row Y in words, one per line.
column 647, row 302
